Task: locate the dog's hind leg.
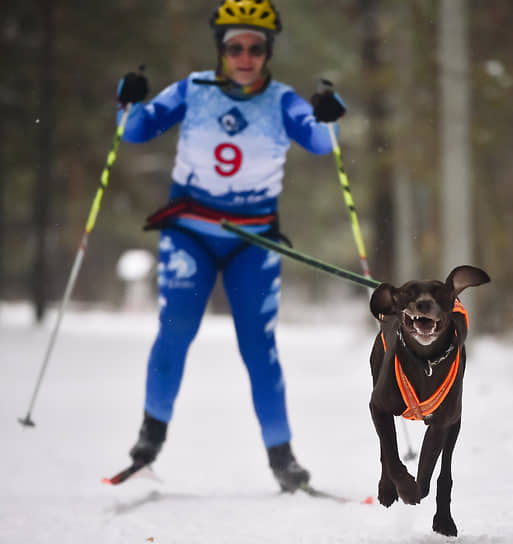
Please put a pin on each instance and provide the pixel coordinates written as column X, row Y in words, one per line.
column 442, row 520
column 434, row 440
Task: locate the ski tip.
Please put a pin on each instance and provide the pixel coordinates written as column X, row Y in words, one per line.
column 368, row 500
column 123, row 475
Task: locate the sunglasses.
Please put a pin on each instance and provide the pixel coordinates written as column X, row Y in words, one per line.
column 236, row 49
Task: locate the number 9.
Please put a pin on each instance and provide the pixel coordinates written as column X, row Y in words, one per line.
column 230, row 157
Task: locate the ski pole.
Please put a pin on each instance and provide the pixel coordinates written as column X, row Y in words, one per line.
column 357, row 235
column 298, row 256
column 91, row 221
column 325, row 85
column 348, row 198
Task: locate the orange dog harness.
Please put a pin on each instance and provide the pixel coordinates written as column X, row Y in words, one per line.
column 417, row 410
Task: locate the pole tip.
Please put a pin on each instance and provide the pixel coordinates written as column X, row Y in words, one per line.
column 26, row 421
column 410, row 455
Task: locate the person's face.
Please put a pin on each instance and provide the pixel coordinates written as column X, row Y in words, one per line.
column 245, row 58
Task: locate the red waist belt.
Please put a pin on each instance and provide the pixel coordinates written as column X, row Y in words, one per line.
column 164, row 217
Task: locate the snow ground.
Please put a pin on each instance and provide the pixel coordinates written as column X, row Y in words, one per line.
column 216, row 486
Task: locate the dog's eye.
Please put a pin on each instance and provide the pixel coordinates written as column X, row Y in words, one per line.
column 444, row 299
column 410, row 294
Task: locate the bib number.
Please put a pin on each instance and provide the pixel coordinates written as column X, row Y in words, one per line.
column 229, row 157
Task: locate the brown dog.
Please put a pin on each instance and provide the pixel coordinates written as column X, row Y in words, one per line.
column 418, row 363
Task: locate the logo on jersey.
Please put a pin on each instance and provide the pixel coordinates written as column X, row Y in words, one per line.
column 273, row 259
column 175, row 268
column 166, row 244
column 272, row 300
column 232, row 122
column 182, row 264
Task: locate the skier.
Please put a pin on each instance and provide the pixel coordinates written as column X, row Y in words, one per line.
column 236, row 124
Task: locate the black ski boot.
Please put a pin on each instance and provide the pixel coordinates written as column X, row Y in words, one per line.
column 289, row 473
column 151, row 438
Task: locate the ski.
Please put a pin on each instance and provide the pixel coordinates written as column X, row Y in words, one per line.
column 314, row 492
column 122, row 476
column 135, row 468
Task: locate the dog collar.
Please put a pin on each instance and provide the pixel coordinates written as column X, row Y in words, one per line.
column 430, row 363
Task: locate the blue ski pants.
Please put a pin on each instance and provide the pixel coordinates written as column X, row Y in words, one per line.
column 188, row 267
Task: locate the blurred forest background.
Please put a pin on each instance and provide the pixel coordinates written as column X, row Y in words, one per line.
column 426, row 141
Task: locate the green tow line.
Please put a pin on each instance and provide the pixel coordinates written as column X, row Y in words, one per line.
column 265, row 243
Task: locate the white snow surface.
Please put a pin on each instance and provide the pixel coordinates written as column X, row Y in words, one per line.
column 215, row 484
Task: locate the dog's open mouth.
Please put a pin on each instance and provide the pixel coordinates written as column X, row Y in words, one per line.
column 420, row 325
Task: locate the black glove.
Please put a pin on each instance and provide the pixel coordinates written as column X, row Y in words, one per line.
column 328, row 106
column 132, row 88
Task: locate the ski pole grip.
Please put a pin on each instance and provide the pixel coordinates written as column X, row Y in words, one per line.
column 324, row 85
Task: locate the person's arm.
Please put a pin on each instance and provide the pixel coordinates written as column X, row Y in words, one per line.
column 301, row 125
column 146, row 121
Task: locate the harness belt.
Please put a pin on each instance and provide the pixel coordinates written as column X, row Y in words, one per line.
column 417, row 410
column 164, row 217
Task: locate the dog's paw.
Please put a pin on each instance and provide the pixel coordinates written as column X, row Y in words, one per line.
column 387, row 493
column 444, row 524
column 424, row 484
column 423, row 490
column 408, row 489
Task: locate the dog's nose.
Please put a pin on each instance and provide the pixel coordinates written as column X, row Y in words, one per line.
column 424, row 306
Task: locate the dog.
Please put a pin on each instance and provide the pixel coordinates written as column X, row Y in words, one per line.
column 417, row 365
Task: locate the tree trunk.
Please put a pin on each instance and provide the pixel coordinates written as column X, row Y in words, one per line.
column 381, row 176
column 44, row 183
column 3, row 210
column 405, row 263
column 456, row 176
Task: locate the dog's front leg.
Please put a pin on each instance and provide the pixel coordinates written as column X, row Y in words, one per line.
column 393, row 470
column 387, row 492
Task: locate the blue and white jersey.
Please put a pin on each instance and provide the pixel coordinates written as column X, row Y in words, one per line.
column 233, row 149
column 231, row 153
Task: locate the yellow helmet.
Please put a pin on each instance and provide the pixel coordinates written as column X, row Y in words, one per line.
column 259, row 14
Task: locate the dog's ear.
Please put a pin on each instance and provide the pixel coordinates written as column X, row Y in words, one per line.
column 466, row 276
column 383, row 300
